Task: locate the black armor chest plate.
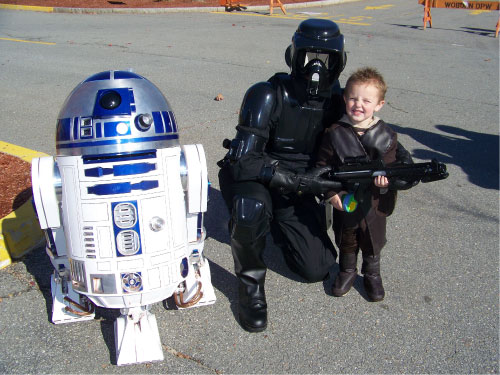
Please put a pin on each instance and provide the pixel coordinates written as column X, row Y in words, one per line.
column 298, row 123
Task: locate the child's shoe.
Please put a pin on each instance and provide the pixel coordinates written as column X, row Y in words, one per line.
column 372, row 279
column 347, row 274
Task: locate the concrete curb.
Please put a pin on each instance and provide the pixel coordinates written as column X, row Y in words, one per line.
column 320, row 3
column 20, row 230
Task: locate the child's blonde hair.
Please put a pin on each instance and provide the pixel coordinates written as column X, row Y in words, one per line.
column 368, row 75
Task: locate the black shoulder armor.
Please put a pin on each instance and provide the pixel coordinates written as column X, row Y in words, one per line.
column 254, row 121
column 258, row 106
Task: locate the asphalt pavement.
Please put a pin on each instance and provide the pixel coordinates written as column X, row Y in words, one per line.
column 440, row 266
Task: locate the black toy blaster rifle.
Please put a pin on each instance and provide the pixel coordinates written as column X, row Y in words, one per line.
column 359, row 171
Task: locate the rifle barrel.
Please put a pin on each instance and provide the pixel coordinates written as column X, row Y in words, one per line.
column 430, row 171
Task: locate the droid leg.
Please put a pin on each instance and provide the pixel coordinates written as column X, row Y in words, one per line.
column 196, row 290
column 67, row 305
column 136, row 337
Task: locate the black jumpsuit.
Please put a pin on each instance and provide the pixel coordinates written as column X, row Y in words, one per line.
column 277, row 124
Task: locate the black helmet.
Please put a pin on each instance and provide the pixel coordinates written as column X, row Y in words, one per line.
column 317, row 54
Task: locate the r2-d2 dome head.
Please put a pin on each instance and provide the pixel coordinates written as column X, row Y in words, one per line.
column 316, row 55
column 115, row 112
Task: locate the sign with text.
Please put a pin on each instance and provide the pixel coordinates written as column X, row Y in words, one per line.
column 457, row 4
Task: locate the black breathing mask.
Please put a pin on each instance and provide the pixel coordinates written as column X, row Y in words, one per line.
column 315, row 71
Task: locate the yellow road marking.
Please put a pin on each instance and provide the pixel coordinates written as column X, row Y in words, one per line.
column 351, row 20
column 256, row 15
column 475, row 12
column 27, row 41
column 354, row 20
column 21, row 152
column 27, row 7
column 386, row 6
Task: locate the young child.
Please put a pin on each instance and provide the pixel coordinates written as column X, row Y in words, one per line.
column 359, row 134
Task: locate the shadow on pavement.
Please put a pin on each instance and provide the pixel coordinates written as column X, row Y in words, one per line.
column 475, row 153
column 469, row 30
column 38, row 264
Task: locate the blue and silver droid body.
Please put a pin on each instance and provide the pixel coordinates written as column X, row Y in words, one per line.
column 122, row 206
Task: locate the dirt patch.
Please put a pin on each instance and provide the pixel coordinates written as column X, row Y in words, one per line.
column 15, row 183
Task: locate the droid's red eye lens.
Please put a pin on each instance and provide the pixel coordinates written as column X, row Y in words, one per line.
column 110, row 100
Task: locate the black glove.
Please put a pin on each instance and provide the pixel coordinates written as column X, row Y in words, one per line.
column 400, row 184
column 402, row 157
column 307, row 183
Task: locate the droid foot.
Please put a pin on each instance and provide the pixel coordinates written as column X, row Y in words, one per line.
column 67, row 305
column 137, row 338
column 197, row 290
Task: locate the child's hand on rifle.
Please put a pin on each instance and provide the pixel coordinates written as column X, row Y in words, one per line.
column 381, row 181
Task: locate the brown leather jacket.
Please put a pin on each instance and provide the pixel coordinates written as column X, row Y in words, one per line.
column 341, row 141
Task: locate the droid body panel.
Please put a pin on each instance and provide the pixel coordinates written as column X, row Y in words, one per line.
column 122, row 206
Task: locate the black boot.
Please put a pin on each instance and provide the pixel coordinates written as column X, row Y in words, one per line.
column 251, row 273
column 252, row 307
column 347, row 274
column 372, row 279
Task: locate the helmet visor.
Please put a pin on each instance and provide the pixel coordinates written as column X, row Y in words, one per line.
column 330, row 60
column 310, row 56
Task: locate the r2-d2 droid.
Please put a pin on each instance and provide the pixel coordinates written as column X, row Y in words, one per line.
column 122, row 208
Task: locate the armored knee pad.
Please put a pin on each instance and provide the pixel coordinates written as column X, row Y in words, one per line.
column 249, row 220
